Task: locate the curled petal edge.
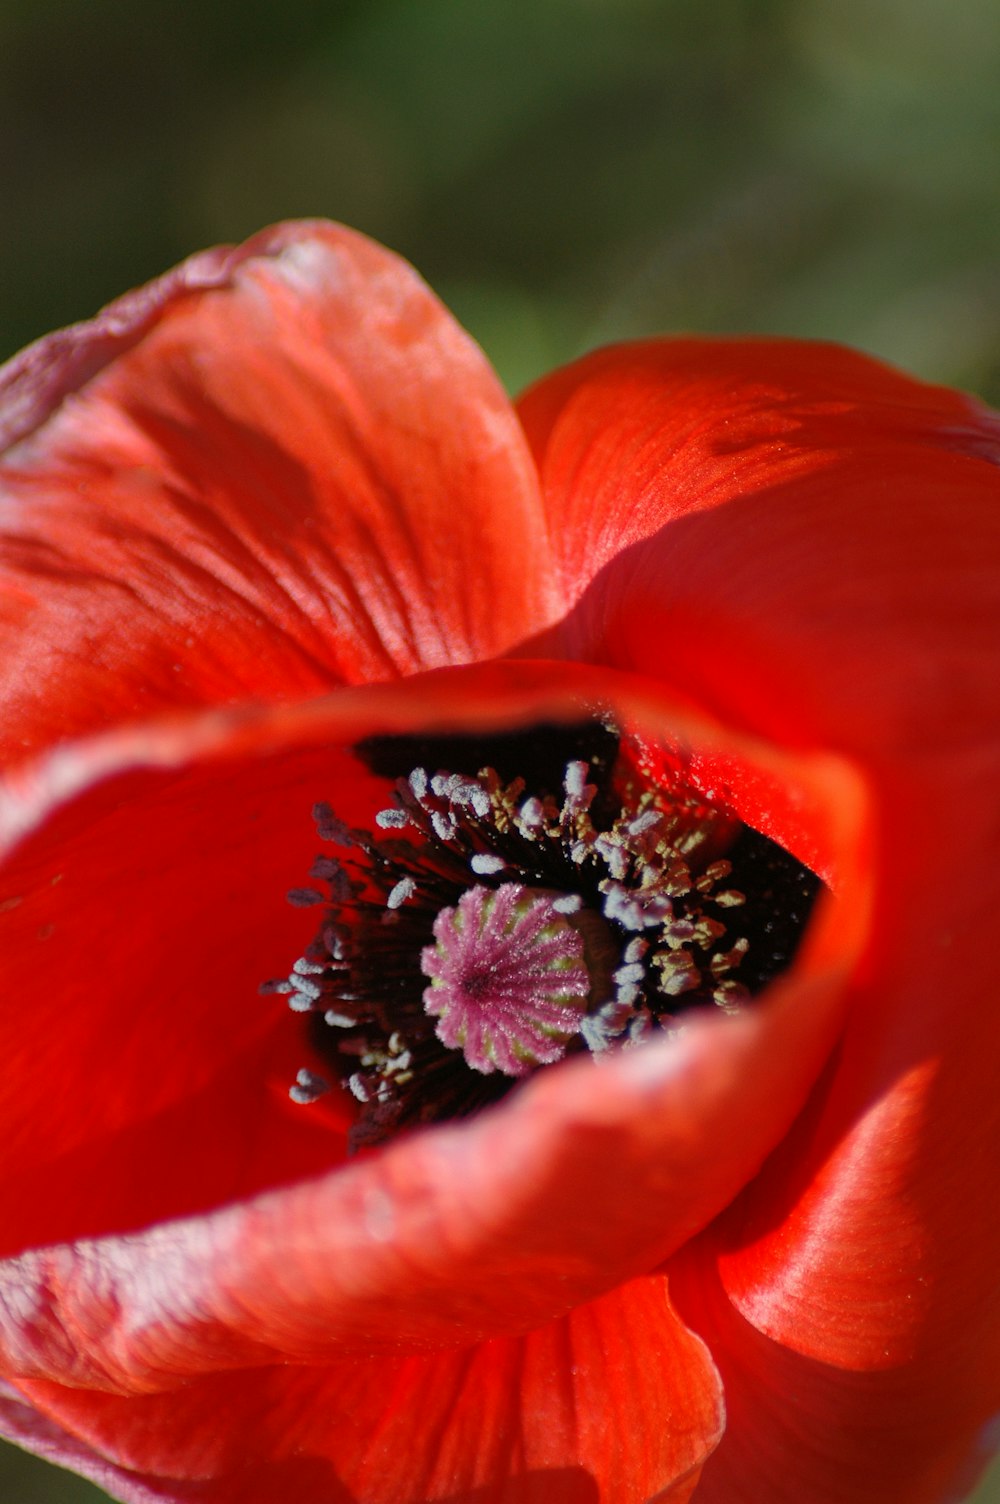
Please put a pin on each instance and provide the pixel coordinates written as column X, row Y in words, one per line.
column 474, row 1230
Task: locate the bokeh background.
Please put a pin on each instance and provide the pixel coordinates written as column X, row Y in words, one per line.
column 563, row 172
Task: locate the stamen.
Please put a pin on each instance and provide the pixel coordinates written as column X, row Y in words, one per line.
column 304, row 898
column 329, row 828
column 532, row 898
column 484, row 863
column 308, row 1087
column 392, row 819
column 403, row 890
column 339, row 1020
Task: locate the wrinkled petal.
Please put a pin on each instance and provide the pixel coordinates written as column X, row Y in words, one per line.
column 798, row 552
column 869, row 1245
column 590, row 1175
column 615, row 1404
column 23, row 1423
column 815, row 553
column 804, row 541
column 269, row 473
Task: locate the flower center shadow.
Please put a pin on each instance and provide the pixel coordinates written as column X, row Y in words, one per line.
column 524, row 898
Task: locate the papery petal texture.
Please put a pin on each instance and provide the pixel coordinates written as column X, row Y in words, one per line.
column 228, row 507
column 664, row 1137
column 585, row 1409
column 871, row 1240
column 268, row 474
column 444, row 1238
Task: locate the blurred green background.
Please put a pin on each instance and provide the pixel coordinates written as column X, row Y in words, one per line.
column 563, row 172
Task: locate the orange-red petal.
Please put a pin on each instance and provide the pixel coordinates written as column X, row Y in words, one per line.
column 587, row 1177
column 728, row 522
column 801, row 539
column 615, row 1404
column 280, row 468
column 798, row 1428
column 813, row 551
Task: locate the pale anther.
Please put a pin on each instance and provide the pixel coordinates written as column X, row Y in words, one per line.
column 486, row 862
column 392, row 819
column 308, row 1087
column 403, row 890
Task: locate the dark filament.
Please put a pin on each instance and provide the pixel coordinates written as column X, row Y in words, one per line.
column 533, row 897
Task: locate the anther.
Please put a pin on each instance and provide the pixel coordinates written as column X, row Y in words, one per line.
column 304, row 898
column 404, row 889
column 392, row 819
column 484, row 863
column 308, row 1087
column 523, row 920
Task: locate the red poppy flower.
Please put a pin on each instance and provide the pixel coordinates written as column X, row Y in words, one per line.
column 275, row 510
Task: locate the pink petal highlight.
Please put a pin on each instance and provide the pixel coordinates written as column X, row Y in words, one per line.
column 583, row 1411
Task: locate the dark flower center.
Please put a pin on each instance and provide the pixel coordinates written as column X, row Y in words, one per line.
column 497, row 921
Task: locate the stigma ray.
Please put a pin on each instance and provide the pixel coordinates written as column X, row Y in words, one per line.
column 485, row 929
